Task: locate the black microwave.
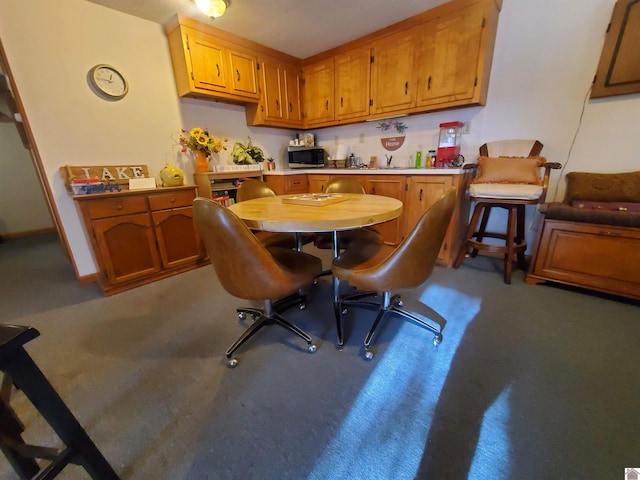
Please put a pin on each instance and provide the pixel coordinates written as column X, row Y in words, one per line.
column 306, row 157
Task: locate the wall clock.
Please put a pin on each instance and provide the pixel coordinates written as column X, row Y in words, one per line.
column 108, row 82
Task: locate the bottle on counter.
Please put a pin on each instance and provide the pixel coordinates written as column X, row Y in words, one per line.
column 431, row 159
column 418, row 159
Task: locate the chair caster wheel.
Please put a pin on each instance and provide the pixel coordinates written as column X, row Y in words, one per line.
column 368, row 355
column 232, row 363
column 345, row 311
column 242, row 315
column 340, row 347
column 312, row 348
column 315, row 282
column 399, row 303
column 437, row 340
column 302, row 306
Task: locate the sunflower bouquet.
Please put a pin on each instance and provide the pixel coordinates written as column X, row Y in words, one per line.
column 198, row 140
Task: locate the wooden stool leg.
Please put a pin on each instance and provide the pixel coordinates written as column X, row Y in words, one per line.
column 522, row 261
column 28, row 377
column 510, row 239
column 469, row 235
column 11, row 441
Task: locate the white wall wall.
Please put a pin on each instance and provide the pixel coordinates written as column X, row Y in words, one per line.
column 545, row 58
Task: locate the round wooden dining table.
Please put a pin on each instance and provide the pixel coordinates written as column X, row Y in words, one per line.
column 353, row 210
column 350, row 211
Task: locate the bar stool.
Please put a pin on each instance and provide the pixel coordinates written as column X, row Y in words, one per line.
column 507, row 176
column 20, row 370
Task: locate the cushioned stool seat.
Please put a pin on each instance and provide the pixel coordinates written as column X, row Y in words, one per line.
column 510, row 180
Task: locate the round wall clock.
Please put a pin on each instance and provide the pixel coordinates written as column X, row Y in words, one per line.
column 108, row 81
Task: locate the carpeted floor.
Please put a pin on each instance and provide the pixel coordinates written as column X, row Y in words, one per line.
column 530, row 382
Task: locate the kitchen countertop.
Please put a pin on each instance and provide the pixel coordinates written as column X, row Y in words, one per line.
column 367, row 171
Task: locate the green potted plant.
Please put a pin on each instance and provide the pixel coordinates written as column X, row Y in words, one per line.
column 248, row 154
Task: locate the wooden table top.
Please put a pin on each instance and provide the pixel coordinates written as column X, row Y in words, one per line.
column 358, row 210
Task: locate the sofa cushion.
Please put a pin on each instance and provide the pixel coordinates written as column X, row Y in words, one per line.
column 522, row 170
column 562, row 211
column 603, row 187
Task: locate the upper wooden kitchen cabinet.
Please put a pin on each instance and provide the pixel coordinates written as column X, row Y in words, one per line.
column 393, row 76
column 454, row 56
column 352, row 74
column 206, row 65
column 280, row 95
column 319, row 93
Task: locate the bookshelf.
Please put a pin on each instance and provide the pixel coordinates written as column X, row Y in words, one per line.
column 222, row 186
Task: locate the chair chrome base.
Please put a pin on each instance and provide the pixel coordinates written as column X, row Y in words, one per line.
column 270, row 315
column 386, row 305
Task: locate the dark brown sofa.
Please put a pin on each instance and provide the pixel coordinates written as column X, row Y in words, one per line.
column 592, row 238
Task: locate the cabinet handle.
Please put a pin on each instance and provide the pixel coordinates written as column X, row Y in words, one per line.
column 218, row 69
column 406, row 88
column 420, row 194
column 429, row 83
column 238, row 73
column 296, row 183
column 119, row 207
column 277, row 104
column 373, row 190
column 326, row 105
column 173, row 200
column 341, row 102
column 290, row 107
column 262, row 108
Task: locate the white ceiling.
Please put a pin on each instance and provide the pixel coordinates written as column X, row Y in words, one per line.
column 300, row 28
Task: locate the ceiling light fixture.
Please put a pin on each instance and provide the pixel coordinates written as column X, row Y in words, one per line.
column 212, row 8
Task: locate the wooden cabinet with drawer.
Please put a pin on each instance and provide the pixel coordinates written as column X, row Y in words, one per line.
column 286, row 184
column 142, row 236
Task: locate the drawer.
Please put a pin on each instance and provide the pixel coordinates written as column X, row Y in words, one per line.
column 112, row 207
column 165, row 201
column 295, row 184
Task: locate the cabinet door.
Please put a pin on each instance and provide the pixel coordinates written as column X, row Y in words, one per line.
column 393, row 80
column 389, row 186
column 353, row 73
column 293, row 99
column 243, row 74
column 319, row 92
column 272, row 92
column 449, row 55
column 423, row 191
column 127, row 245
column 619, row 67
column 317, row 183
column 177, row 238
column 208, row 68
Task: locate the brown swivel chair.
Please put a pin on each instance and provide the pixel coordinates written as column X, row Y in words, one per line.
column 387, row 269
column 507, row 176
column 255, row 188
column 247, row 269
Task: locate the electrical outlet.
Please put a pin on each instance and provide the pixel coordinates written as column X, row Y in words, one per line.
column 466, row 128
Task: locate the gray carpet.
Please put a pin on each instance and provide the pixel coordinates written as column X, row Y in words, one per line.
column 530, row 382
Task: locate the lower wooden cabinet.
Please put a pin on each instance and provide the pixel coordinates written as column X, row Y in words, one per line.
column 417, row 193
column 422, row 192
column 286, row 184
column 388, row 186
column 143, row 236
